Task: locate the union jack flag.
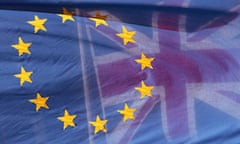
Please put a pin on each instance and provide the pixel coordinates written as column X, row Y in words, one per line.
column 192, row 67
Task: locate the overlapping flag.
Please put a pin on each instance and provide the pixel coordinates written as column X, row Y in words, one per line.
column 127, row 72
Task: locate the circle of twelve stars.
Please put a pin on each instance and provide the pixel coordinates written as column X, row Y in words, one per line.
column 68, row 119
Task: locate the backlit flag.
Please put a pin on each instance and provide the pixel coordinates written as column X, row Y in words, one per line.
column 107, row 72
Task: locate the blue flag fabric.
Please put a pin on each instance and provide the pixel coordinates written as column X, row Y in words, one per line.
column 112, row 72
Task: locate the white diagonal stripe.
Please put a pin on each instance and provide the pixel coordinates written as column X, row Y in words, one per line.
column 208, row 93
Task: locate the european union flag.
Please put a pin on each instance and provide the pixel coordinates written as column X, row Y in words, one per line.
column 119, row 72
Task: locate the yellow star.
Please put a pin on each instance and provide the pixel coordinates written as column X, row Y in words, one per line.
column 24, row 76
column 22, row 47
column 99, row 125
column 127, row 113
column 38, row 24
column 67, row 15
column 39, row 101
column 144, row 90
column 99, row 19
column 67, row 119
column 126, row 35
column 145, row 62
